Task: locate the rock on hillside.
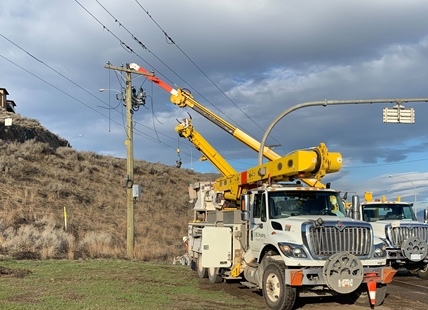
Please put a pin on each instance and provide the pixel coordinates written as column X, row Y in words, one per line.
column 23, row 129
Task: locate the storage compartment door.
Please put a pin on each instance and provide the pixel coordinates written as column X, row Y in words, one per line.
column 216, row 247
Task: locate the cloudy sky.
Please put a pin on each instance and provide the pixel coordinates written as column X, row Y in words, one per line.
column 247, row 61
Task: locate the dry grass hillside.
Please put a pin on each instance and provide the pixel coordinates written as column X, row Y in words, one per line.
column 40, row 176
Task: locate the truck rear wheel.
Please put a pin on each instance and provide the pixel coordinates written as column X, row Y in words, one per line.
column 214, row 276
column 360, row 296
column 202, row 272
column 276, row 293
column 423, row 272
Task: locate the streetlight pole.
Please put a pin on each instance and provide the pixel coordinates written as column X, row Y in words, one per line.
column 414, row 187
column 325, row 103
column 79, row 135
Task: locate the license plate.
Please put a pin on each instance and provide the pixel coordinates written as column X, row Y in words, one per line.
column 346, row 283
column 415, row 256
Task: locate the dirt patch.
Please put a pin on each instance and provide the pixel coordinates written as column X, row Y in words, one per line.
column 9, row 272
column 24, row 299
column 254, row 299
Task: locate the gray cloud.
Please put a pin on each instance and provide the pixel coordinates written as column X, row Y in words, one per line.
column 266, row 56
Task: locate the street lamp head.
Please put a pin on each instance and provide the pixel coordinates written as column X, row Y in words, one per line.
column 104, row 89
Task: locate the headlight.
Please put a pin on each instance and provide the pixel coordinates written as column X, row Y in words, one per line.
column 380, row 250
column 294, row 251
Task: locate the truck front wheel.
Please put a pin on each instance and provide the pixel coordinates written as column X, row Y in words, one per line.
column 423, row 272
column 202, row 272
column 276, row 293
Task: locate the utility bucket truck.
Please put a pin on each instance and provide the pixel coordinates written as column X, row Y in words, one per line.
column 395, row 223
column 288, row 241
column 265, row 228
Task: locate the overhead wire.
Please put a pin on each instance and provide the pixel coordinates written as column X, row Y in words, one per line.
column 121, row 42
column 140, row 133
column 199, row 68
column 65, row 77
column 179, row 76
column 104, row 102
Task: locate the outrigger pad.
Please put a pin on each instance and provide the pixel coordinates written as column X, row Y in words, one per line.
column 414, row 248
column 343, row 272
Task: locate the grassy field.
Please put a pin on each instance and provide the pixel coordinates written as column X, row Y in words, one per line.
column 108, row 284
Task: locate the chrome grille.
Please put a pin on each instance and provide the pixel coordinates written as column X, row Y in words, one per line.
column 325, row 241
column 397, row 235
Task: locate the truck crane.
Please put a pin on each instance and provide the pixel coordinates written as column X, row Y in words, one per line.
column 183, row 98
column 286, row 239
column 314, row 163
column 395, row 222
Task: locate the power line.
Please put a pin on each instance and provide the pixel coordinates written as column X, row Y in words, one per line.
column 50, row 84
column 71, row 81
column 142, row 134
column 138, row 132
column 145, row 47
column 191, row 60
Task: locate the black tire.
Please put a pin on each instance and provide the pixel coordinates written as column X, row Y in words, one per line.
column 214, row 276
column 423, row 272
column 193, row 265
column 276, row 293
column 360, row 296
column 202, row 272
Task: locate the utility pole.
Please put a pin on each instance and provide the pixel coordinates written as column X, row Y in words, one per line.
column 129, row 179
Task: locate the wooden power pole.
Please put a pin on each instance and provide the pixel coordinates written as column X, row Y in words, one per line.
column 129, row 179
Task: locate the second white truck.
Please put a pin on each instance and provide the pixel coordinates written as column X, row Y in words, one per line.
column 395, row 223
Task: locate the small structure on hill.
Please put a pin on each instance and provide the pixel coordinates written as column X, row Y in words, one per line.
column 5, row 104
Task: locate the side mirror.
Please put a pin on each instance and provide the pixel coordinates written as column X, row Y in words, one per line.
column 426, row 216
column 348, row 213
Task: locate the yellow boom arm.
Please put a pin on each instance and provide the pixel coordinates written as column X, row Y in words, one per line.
column 185, row 129
column 182, row 98
column 313, row 163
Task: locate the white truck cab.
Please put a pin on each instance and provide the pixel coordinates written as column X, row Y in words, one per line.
column 396, row 224
column 289, row 241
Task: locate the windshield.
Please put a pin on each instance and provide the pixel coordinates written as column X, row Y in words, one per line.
column 377, row 212
column 283, row 204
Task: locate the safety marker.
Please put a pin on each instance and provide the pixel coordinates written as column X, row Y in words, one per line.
column 372, row 292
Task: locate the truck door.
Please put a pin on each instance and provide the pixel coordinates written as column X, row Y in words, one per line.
column 258, row 223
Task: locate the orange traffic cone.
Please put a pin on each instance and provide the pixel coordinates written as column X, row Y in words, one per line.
column 372, row 292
